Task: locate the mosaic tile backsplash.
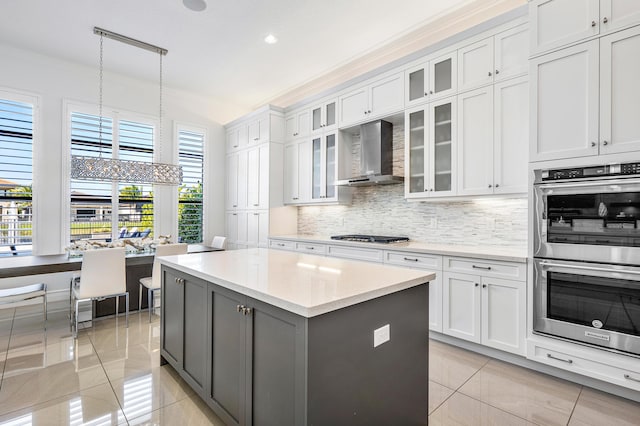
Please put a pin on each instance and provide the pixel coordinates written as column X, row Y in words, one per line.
column 382, row 210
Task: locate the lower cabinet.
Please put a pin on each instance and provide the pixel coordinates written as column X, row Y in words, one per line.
column 485, row 310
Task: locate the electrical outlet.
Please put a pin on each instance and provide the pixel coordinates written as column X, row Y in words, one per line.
column 381, row 335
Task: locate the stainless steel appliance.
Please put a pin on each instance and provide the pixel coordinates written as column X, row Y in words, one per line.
column 587, row 255
column 369, row 238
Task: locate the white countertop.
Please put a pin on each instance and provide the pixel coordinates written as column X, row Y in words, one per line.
column 304, row 284
column 509, row 254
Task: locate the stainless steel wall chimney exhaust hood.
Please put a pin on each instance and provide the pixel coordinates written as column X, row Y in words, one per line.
column 376, row 156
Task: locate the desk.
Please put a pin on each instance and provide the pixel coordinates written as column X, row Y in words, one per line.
column 138, row 266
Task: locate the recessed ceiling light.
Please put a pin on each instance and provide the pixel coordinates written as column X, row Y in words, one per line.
column 195, row 5
column 270, row 39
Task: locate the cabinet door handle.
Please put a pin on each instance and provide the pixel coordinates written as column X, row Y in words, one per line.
column 246, row 311
column 280, row 244
column 310, row 248
column 605, row 143
column 497, row 72
column 476, row 284
column 426, row 93
column 490, row 74
column 593, row 23
column 568, row 361
column 497, row 185
column 486, row 268
column 431, row 92
column 239, row 308
column 256, row 205
column 369, row 111
column 633, row 379
column 256, row 214
column 490, row 185
column 484, row 286
column 235, row 146
column 605, row 20
column 176, row 280
column 411, row 259
column 235, row 205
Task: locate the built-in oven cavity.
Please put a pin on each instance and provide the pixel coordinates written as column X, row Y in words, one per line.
column 611, row 219
column 602, row 303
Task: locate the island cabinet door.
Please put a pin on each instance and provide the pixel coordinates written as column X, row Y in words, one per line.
column 228, row 354
column 172, row 318
column 194, row 352
column 276, row 366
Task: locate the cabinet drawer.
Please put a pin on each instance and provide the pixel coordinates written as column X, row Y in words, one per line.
column 424, row 261
column 603, row 371
column 282, row 245
column 312, row 248
column 371, row 255
column 486, row 268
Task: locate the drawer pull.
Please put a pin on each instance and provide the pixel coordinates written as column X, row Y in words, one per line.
column 310, row 248
column 568, row 361
column 633, row 379
column 239, row 308
column 486, row 268
column 411, row 259
column 280, row 244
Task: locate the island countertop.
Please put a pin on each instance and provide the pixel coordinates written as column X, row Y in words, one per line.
column 306, row 285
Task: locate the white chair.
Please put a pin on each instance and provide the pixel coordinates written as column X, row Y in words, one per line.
column 219, row 242
column 153, row 282
column 102, row 275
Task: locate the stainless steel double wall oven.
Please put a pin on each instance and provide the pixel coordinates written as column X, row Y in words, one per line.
column 587, row 255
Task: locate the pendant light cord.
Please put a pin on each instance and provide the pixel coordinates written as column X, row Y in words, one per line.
column 100, row 97
column 161, row 115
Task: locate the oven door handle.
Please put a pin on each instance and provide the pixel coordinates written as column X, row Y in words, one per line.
column 595, row 182
column 588, row 268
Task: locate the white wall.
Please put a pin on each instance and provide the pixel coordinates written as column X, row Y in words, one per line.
column 55, row 81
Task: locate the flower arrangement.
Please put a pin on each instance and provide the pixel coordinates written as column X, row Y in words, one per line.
column 132, row 245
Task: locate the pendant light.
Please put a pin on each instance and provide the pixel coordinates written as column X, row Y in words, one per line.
column 116, row 170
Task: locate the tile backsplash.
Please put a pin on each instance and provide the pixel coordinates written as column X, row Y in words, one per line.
column 382, row 210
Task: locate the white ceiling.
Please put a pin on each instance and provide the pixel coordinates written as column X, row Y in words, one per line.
column 220, row 52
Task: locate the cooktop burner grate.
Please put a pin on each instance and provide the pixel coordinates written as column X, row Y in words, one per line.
column 369, row 238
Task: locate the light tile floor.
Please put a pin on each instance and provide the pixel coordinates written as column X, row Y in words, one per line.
column 112, row 375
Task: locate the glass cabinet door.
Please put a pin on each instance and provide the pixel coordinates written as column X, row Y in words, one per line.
column 442, row 140
column 316, row 180
column 416, row 140
column 323, row 116
column 443, row 76
column 330, row 114
column 330, row 188
column 417, row 83
column 316, row 118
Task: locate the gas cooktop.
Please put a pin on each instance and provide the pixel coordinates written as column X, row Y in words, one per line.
column 369, row 238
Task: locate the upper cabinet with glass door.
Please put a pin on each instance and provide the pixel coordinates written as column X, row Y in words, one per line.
column 327, row 156
column 431, row 80
column 430, row 150
column 324, row 116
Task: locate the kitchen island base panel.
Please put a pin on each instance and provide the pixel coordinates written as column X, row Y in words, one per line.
column 351, row 382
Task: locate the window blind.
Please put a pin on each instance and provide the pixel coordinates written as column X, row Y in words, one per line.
column 191, row 158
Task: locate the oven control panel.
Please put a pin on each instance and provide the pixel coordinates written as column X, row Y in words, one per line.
column 590, row 172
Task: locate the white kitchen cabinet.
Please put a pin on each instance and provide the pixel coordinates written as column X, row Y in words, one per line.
column 558, row 23
column 237, row 138
column 493, row 59
column 297, row 125
column 493, row 139
column 620, row 92
column 237, row 228
column 258, row 228
column 586, row 99
column 312, row 248
column 385, row 96
column 324, row 167
column 430, row 150
column 258, row 130
column 324, row 116
column 258, row 177
column 431, row 80
column 475, row 142
column 237, row 168
column 429, row 262
column 356, row 253
column 565, row 104
column 461, row 306
column 297, row 176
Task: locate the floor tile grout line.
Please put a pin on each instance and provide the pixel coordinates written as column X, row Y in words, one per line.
column 6, row 356
column 575, row 404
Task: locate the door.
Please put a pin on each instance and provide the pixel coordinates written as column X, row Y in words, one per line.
column 475, row 142
column 443, row 75
column 257, row 229
column 511, row 53
column 318, row 189
column 615, row 14
column 387, row 95
column 243, row 236
column 415, row 152
column 510, row 136
column 416, row 84
column 476, row 65
column 258, row 177
column 232, row 227
column 564, row 119
column 232, row 181
column 305, row 166
column 243, row 168
column 556, row 23
column 297, row 125
column 172, row 318
column 323, row 117
column 504, row 314
column 461, row 306
column 291, row 126
column 330, row 165
column 228, row 354
column 620, row 91
column 232, row 140
column 291, row 173
column 195, row 331
column 353, row 106
column 258, row 130
column 442, row 148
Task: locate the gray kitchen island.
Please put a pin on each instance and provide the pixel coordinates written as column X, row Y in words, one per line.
column 267, row 337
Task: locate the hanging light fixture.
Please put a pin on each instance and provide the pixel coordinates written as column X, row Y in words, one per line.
column 112, row 169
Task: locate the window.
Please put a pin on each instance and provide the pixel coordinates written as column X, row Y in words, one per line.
column 93, row 202
column 16, row 177
column 191, row 158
